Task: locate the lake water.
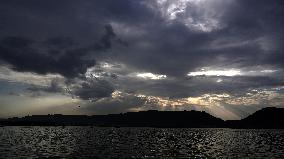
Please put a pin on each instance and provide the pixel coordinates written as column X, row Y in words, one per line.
column 98, row 142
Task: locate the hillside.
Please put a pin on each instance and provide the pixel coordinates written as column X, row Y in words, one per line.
column 264, row 118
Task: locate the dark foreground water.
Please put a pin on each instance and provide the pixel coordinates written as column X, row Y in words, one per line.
column 96, row 142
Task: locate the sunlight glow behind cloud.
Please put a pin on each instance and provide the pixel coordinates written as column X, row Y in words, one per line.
column 151, row 76
column 182, row 10
column 215, row 73
column 231, row 72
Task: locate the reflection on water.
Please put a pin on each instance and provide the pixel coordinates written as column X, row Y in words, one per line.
column 95, row 142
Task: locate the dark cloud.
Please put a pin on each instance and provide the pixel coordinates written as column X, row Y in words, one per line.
column 85, row 89
column 60, row 43
column 70, row 36
column 22, row 56
column 93, row 90
column 246, row 38
column 197, row 86
column 123, row 103
column 55, row 56
column 53, row 87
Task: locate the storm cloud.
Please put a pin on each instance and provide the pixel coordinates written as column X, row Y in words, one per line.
column 56, row 55
column 168, row 49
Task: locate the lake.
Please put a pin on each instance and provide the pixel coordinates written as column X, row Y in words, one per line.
column 106, row 142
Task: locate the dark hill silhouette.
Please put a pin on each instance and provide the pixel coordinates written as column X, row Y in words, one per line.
column 269, row 117
column 265, row 118
column 154, row 118
column 151, row 118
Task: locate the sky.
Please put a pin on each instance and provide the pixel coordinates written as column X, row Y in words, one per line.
column 90, row 57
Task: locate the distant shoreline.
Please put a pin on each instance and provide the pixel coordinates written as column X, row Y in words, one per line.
column 266, row 118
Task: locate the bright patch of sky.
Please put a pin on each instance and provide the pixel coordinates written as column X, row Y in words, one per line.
column 186, row 11
column 151, row 76
column 230, row 72
column 215, row 73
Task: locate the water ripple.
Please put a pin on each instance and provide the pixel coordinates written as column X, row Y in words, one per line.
column 97, row 142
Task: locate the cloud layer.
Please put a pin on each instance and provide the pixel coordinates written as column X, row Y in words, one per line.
column 162, row 49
